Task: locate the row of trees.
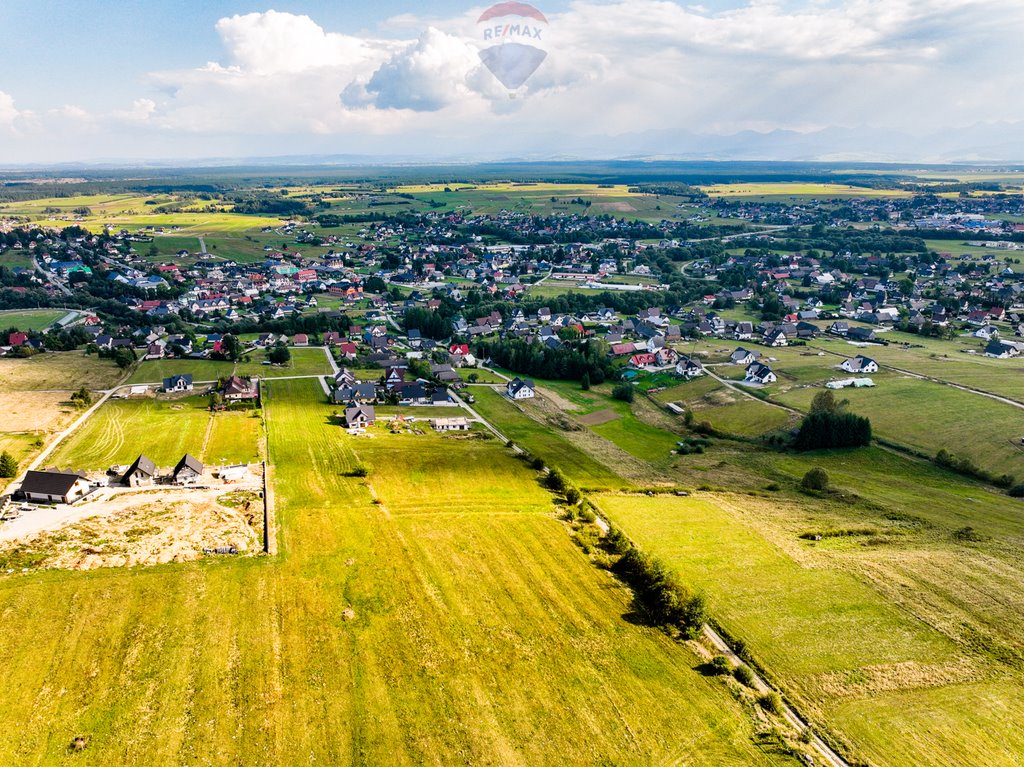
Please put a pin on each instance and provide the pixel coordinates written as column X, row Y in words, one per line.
column 828, row 425
column 567, row 362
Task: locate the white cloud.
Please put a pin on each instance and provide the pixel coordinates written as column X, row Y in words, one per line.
column 626, row 67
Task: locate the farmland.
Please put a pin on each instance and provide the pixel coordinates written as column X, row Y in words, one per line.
column 839, row 646
column 369, row 647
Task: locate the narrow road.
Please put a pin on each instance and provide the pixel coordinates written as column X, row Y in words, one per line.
column 943, row 381
column 330, row 360
column 479, row 418
column 826, row 752
column 202, row 246
column 742, row 391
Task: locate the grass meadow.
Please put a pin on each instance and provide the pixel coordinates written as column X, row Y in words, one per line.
column 304, row 362
column 163, row 430
column 374, row 638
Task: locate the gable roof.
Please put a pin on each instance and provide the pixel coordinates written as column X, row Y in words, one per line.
column 142, row 465
column 49, row 482
column 188, row 461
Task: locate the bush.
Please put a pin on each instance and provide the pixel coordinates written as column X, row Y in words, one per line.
column 771, row 702
column 555, row 480
column 721, row 665
column 360, row 470
column 572, row 495
column 662, row 593
column 537, row 464
column 1017, row 491
column 624, row 391
column 824, row 429
column 744, row 675
column 815, row 479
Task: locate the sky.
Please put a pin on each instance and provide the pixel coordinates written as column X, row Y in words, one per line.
column 153, row 80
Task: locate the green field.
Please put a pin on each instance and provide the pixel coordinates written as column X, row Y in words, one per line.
column 164, row 430
column 848, row 653
column 468, row 635
column 929, row 417
column 29, row 319
column 304, row 362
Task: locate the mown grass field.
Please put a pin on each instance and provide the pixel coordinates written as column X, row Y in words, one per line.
column 880, row 671
column 304, row 362
column 57, row 371
column 468, row 635
column 29, row 319
column 930, row 416
column 163, row 430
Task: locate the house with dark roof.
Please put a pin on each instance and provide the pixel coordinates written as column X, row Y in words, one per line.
column 141, row 473
column 178, row 383
column 689, row 368
column 521, row 388
column 743, row 356
column 358, row 416
column 759, row 373
column 859, row 364
column 188, row 471
column 53, row 487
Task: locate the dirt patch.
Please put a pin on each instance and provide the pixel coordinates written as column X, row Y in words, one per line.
column 144, row 528
column 869, row 681
column 617, row 207
column 598, row 418
column 35, row 411
column 557, row 399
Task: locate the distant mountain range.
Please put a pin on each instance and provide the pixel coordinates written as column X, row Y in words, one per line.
column 982, row 143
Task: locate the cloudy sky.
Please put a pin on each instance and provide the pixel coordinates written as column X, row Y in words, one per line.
column 120, row 80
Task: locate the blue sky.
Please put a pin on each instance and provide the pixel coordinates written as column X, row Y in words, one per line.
column 87, row 80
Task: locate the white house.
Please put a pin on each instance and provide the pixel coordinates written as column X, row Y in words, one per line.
column 689, row 368
column 859, row 364
column 521, row 389
column 759, row 374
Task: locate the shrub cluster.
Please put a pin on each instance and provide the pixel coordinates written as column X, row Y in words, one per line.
column 823, row 430
column 966, row 466
column 667, row 600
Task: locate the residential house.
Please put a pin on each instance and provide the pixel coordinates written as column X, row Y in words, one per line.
column 141, row 473
column 359, row 416
column 178, row 383
column 53, row 486
column 859, row 364
column 188, row 471
column 758, row 373
column 519, row 388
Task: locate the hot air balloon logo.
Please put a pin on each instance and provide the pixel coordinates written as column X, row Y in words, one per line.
column 514, row 36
